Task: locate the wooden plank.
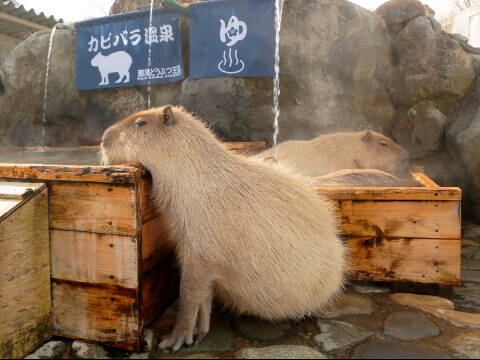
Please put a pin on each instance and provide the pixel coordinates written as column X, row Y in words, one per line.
column 390, row 193
column 18, row 190
column 160, row 288
column 417, row 219
column 102, row 174
column 107, row 315
column 424, row 180
column 435, row 261
column 155, row 242
column 94, row 258
column 7, row 206
column 92, row 207
column 24, row 22
column 25, row 303
column 148, row 209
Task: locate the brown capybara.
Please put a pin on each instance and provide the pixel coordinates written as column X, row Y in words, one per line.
column 360, row 178
column 255, row 237
column 348, row 150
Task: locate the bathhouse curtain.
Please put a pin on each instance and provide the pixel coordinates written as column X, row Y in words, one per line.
column 232, row 38
column 113, row 51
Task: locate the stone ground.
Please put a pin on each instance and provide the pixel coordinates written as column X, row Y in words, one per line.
column 382, row 321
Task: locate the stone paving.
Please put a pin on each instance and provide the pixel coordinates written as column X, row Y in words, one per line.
column 371, row 321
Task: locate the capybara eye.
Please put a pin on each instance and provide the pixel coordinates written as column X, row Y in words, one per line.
column 384, row 144
column 140, row 122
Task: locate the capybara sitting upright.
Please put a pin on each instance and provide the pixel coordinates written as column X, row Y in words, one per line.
column 257, row 238
column 347, row 150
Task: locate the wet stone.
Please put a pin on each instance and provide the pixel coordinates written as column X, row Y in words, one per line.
column 466, row 345
column 370, row 289
column 261, row 330
column 200, row 356
column 218, row 340
column 150, row 340
column 470, row 276
column 392, row 350
column 51, row 350
column 422, row 301
column 347, row 305
column 471, row 252
column 280, row 352
column 407, row 325
column 469, row 264
column 471, row 233
column 469, row 292
column 144, row 355
column 85, row 350
column 459, row 318
column 337, row 335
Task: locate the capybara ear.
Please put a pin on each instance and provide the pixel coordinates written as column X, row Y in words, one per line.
column 367, row 136
column 168, row 118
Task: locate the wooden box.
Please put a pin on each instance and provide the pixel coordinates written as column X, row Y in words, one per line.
column 25, row 304
column 113, row 272
column 402, row 233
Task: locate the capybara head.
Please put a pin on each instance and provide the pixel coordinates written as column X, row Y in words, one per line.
column 96, row 59
column 159, row 135
column 382, row 153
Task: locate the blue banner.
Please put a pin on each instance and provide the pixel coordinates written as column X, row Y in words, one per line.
column 113, row 51
column 232, row 38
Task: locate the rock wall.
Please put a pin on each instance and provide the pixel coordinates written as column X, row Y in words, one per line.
column 342, row 68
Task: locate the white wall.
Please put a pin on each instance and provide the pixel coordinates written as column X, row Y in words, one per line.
column 466, row 23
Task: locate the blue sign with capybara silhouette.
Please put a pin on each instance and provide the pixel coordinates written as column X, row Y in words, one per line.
column 232, row 38
column 114, row 50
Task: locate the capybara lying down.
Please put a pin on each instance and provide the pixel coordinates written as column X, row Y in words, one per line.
column 360, row 178
column 255, row 237
column 347, row 150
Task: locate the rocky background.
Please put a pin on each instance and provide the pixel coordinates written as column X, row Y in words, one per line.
column 342, row 68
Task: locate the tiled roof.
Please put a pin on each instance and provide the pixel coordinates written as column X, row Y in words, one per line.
column 18, row 22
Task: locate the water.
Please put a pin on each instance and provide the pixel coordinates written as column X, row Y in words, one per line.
column 149, row 88
column 276, row 79
column 45, row 92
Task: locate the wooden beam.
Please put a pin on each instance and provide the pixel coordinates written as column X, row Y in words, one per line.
column 24, row 22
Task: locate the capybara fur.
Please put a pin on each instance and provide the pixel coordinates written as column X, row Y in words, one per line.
column 360, row 178
column 248, row 233
column 347, row 150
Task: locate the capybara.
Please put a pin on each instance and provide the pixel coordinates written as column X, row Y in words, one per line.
column 347, row 150
column 359, row 178
column 258, row 239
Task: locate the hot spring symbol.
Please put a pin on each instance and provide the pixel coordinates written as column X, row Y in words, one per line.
column 230, row 34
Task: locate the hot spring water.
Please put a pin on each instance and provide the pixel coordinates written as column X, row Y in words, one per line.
column 149, row 88
column 276, row 79
column 45, row 92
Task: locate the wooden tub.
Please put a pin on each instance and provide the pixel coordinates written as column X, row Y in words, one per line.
column 113, row 272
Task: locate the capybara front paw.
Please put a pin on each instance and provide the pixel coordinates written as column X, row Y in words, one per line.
column 175, row 341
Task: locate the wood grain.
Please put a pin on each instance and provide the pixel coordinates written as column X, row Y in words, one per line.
column 390, row 193
column 91, row 207
column 417, row 219
column 25, row 303
column 160, row 287
column 155, row 242
column 83, row 311
column 94, row 258
column 435, row 261
column 76, row 173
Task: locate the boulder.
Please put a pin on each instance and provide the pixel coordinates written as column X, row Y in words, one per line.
column 397, row 13
column 433, row 64
column 421, row 130
column 72, row 117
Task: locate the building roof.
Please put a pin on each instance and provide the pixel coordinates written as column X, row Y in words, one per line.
column 18, row 22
